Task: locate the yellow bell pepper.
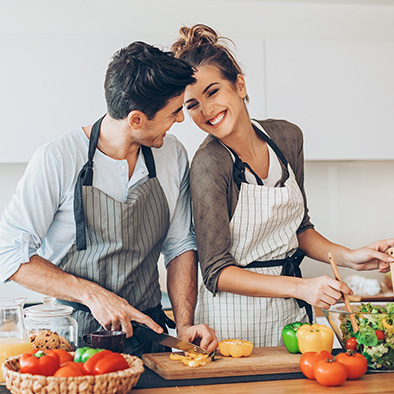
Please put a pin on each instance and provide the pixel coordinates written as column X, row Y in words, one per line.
column 235, row 348
column 315, row 338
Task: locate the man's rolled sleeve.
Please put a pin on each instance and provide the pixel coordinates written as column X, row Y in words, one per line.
column 27, row 217
column 14, row 253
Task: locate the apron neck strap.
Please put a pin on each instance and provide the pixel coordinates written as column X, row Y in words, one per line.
column 239, row 165
column 149, row 161
column 272, row 144
column 85, row 178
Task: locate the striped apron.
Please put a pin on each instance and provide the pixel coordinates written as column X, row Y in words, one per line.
column 263, row 230
column 118, row 244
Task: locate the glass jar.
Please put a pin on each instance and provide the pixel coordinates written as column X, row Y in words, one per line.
column 13, row 336
column 53, row 317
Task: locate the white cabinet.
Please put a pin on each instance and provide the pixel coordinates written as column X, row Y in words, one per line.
column 341, row 93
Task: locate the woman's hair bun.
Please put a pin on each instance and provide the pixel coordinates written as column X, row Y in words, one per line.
column 193, row 37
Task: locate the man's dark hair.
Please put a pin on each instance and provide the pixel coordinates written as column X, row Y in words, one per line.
column 144, row 78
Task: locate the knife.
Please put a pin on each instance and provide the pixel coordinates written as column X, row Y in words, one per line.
column 144, row 332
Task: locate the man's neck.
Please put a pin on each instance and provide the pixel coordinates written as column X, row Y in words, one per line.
column 116, row 141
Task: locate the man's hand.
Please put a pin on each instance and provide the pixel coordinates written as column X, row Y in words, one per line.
column 110, row 310
column 201, row 335
column 115, row 313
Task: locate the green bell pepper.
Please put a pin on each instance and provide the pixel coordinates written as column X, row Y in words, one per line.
column 289, row 335
column 84, row 353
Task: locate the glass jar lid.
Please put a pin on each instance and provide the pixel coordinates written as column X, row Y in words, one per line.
column 48, row 308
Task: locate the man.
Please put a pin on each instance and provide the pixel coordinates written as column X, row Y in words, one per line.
column 97, row 206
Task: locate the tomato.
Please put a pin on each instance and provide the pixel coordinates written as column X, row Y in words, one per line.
column 330, row 372
column 63, row 356
column 351, row 344
column 70, row 368
column 380, row 335
column 309, row 359
column 355, row 363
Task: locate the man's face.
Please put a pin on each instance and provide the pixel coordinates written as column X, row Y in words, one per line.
column 154, row 131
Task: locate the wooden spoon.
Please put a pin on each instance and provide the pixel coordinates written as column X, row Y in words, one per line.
column 345, row 297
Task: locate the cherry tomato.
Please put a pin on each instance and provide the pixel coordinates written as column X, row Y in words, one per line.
column 351, row 344
column 355, row 363
column 70, row 368
column 330, row 373
column 64, row 356
column 380, row 335
column 309, row 359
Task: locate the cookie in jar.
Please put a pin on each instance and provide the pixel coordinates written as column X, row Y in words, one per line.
column 50, row 325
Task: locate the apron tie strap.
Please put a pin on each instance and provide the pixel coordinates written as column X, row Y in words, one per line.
column 290, row 267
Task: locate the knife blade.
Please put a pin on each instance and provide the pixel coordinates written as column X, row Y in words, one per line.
column 142, row 331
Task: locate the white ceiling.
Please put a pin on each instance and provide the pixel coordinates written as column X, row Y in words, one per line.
column 358, row 2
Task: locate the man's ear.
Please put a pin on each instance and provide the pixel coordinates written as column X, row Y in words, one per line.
column 136, row 119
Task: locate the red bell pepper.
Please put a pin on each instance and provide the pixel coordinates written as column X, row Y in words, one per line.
column 111, row 363
column 104, row 362
column 39, row 362
column 88, row 366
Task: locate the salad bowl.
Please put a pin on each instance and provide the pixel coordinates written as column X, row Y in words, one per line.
column 375, row 336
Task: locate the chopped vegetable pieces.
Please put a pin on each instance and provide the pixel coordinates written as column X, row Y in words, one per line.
column 191, row 360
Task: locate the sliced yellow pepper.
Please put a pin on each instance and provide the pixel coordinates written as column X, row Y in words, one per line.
column 387, row 325
column 315, row 338
column 191, row 359
column 235, row 348
column 176, row 357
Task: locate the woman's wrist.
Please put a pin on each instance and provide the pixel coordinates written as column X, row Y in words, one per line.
column 342, row 256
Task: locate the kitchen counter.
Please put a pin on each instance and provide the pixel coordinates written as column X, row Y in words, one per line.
column 368, row 384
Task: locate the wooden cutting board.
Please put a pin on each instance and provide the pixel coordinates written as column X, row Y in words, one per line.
column 262, row 361
column 388, row 297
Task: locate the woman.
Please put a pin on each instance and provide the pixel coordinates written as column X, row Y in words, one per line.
column 250, row 212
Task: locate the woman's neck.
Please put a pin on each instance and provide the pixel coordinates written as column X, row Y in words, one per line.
column 244, row 141
column 250, row 148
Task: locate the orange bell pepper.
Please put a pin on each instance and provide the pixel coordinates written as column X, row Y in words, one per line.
column 235, row 348
column 315, row 338
column 69, row 369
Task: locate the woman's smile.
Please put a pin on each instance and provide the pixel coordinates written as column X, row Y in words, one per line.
column 218, row 119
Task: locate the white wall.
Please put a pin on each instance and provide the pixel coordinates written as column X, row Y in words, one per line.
column 350, row 202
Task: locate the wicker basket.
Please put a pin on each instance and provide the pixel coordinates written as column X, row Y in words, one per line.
column 114, row 382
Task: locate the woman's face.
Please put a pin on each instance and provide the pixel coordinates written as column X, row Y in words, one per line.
column 214, row 103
